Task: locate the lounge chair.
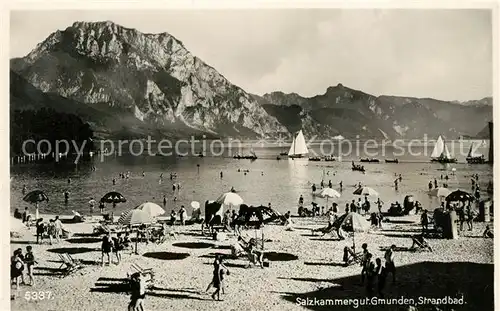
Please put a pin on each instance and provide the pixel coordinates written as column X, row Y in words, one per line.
column 420, row 244
column 353, row 258
column 68, row 265
column 146, row 272
column 325, row 230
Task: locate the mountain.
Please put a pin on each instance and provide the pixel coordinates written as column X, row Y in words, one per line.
column 353, row 113
column 131, row 84
column 146, row 81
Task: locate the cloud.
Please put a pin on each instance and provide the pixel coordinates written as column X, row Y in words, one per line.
column 444, row 54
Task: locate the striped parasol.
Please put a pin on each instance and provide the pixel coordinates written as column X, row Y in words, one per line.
column 135, row 217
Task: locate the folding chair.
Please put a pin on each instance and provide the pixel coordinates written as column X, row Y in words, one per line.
column 420, row 245
column 145, row 272
column 354, row 258
column 68, row 265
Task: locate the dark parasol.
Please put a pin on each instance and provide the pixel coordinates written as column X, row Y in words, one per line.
column 35, row 196
column 460, row 196
column 113, row 197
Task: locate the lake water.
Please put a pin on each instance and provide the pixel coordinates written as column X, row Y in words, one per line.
column 269, row 180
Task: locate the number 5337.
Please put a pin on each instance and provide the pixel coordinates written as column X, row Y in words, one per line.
column 47, row 295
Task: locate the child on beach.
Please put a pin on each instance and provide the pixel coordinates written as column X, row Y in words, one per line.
column 30, row 261
column 364, row 261
column 40, row 230
column 390, row 267
column 138, row 292
column 16, row 269
column 106, row 247
column 51, row 230
column 117, row 247
column 58, row 228
column 182, row 215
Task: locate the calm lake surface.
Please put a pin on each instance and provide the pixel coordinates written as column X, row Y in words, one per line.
column 269, row 180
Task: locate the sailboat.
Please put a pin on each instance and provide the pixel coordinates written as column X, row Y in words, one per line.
column 440, row 153
column 474, row 158
column 298, row 149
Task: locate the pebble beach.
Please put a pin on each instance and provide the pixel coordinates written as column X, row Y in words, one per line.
column 302, row 266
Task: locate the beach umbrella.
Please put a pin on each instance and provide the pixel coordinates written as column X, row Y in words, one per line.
column 135, row 217
column 152, row 209
column 195, row 205
column 366, row 191
column 35, row 197
column 459, row 195
column 329, row 193
column 113, row 197
column 229, row 199
column 439, row 192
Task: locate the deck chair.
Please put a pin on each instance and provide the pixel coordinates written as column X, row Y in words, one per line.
column 146, row 272
column 330, row 229
column 68, row 265
column 420, row 244
column 353, row 258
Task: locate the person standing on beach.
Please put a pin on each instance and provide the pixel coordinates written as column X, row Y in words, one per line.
column 164, row 200
column 340, row 184
column 16, row 270
column 436, row 182
column 40, row 229
column 182, row 215
column 381, row 273
column 106, row 248
column 330, row 185
column 470, row 217
column 137, row 292
column 313, row 188
column 92, row 203
column 364, row 260
column 221, row 175
column 114, row 181
column 430, row 185
column 370, row 274
column 58, row 228
column 30, row 261
column 24, row 189
column 69, row 180
column 390, row 267
column 301, row 200
column 66, row 197
column 424, row 221
column 117, row 247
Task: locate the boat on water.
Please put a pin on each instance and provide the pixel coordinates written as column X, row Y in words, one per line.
column 474, row 158
column 359, row 168
column 369, row 160
column 391, row 161
column 441, row 154
column 330, row 159
column 298, row 149
column 317, row 159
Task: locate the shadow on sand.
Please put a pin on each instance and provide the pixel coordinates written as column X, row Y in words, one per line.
column 166, row 255
column 86, row 240
column 332, row 264
column 194, row 245
column 276, row 256
column 425, row 279
column 72, row 250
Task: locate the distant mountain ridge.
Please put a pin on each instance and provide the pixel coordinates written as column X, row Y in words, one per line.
column 348, row 112
column 127, row 83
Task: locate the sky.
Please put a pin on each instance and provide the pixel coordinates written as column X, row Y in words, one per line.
column 439, row 53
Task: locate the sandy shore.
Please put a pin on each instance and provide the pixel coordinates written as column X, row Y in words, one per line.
column 302, row 266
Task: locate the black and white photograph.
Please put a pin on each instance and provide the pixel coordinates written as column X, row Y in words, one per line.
column 251, row 158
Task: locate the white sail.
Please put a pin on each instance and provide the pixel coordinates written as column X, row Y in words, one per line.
column 292, row 147
column 300, row 144
column 438, row 148
column 446, row 153
column 472, row 153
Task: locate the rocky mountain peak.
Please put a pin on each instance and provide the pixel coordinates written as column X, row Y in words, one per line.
column 151, row 76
